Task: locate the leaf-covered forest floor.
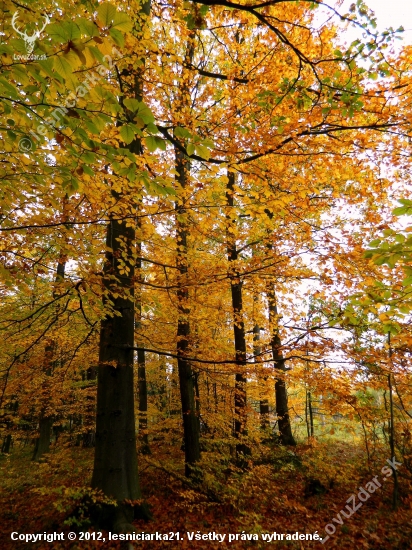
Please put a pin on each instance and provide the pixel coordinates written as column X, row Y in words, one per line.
column 283, row 491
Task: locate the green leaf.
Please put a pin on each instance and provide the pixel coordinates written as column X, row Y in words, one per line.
column 71, row 29
column 122, row 22
column 182, row 133
column 97, row 54
column 87, row 27
column 62, row 66
column 139, row 123
column 140, row 109
column 154, row 142
column 100, row 122
column 6, row 49
column 145, row 113
column 87, row 170
column 10, row 89
column 400, row 211
column 89, row 157
column 392, row 260
column 132, row 104
column 117, row 36
column 190, row 149
column 190, row 20
column 208, row 143
column 31, row 89
column 71, row 186
column 374, row 243
column 131, row 174
column 93, row 129
column 380, row 260
column 152, row 128
column 127, row 133
column 400, row 238
column 407, row 281
column 107, row 13
column 203, row 152
column 58, row 33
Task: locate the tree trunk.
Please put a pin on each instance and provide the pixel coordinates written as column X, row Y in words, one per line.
column 197, row 394
column 308, row 404
column 392, row 430
column 115, row 463
column 309, row 412
column 10, row 410
column 186, row 375
column 142, row 384
column 89, row 436
column 263, row 403
column 5, row 448
column 240, row 431
column 42, row 443
column 141, row 364
column 282, row 410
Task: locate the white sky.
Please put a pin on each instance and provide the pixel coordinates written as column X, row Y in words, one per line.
column 389, row 13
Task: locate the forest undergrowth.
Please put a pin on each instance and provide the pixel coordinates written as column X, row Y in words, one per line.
column 283, row 491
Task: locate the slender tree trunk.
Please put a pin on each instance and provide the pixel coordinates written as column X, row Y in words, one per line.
column 186, row 375
column 197, row 394
column 311, row 431
column 309, row 408
column 263, row 403
column 306, row 413
column 392, row 430
column 240, row 431
column 141, row 363
column 282, row 410
column 174, row 392
column 10, row 410
column 42, row 443
column 142, row 384
column 43, row 439
column 89, row 436
column 5, row 448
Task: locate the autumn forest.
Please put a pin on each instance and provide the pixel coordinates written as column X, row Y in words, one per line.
column 205, row 275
